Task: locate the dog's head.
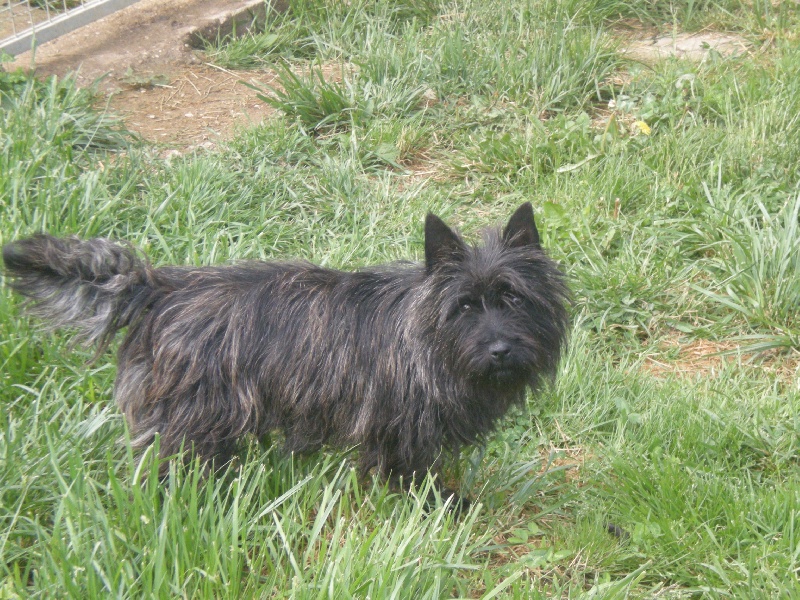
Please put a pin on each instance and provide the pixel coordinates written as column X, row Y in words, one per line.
column 498, row 311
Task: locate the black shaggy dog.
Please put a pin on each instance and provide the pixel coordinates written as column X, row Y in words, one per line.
column 402, row 360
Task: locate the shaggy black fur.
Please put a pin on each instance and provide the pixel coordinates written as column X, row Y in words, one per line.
column 402, row 360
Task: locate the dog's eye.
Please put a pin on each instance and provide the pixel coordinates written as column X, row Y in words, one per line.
column 466, row 305
column 512, row 299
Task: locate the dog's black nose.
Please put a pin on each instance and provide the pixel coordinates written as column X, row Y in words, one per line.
column 499, row 350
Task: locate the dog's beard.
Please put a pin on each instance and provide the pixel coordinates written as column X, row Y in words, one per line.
column 478, row 366
column 503, row 376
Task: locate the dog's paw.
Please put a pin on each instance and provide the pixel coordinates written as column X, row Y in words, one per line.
column 455, row 502
column 617, row 531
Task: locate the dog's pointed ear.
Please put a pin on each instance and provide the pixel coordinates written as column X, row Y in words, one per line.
column 521, row 229
column 441, row 242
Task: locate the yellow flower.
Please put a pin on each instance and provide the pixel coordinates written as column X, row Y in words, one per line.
column 643, row 127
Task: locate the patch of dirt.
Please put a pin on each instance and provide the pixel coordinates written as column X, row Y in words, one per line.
column 706, row 359
column 690, row 46
column 570, row 459
column 697, row 357
column 199, row 107
column 144, row 59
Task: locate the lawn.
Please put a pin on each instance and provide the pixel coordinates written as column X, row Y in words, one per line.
column 669, row 191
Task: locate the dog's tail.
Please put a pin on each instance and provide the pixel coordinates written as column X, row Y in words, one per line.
column 95, row 286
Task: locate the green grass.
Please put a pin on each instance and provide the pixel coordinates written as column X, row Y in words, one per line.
column 681, row 238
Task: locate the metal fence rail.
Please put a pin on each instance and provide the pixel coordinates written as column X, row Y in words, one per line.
column 24, row 23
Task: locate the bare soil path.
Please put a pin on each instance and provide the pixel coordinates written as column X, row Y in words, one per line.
column 144, row 57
